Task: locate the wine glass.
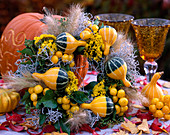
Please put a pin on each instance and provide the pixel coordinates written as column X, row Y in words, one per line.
column 121, row 22
column 150, row 35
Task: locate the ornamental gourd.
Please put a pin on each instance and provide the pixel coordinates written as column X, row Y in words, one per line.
column 9, row 99
column 116, row 68
column 109, row 36
column 101, row 105
column 152, row 90
column 67, row 43
column 24, row 26
column 55, row 78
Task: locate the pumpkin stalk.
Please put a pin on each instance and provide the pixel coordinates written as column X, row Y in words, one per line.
column 86, row 106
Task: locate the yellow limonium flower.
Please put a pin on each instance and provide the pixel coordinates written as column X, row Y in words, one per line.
column 99, row 90
column 46, row 43
column 72, row 86
column 93, row 47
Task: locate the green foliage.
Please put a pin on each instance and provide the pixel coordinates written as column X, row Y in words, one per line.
column 61, row 124
column 48, row 100
column 79, row 96
column 42, row 118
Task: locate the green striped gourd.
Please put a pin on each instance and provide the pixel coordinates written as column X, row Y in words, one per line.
column 67, row 43
column 55, row 78
column 109, row 36
column 101, row 105
column 116, row 68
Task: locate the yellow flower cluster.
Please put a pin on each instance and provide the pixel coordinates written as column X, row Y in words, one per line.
column 72, row 86
column 46, row 42
column 94, row 46
column 99, row 90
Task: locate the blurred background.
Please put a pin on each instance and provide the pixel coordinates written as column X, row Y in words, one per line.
column 138, row 8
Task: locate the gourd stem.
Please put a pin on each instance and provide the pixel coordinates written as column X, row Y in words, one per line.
column 37, row 76
column 155, row 77
column 81, row 43
column 106, row 51
column 86, row 106
column 126, row 82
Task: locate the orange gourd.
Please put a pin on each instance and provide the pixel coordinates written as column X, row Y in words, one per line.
column 24, row 26
column 152, row 90
column 82, row 68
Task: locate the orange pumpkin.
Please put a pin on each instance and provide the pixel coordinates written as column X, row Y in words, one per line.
column 27, row 26
column 24, row 26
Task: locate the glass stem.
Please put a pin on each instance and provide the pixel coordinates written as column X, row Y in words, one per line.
column 150, row 69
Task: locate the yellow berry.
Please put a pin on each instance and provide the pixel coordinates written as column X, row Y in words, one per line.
column 72, row 64
column 66, row 100
column 152, row 108
column 74, row 109
column 167, row 116
column 95, row 27
column 159, row 105
column 159, row 114
column 34, row 103
column 59, row 54
column 115, row 99
column 44, row 91
column 113, row 91
column 33, row 97
column 121, row 114
column 165, row 109
column 31, row 90
column 123, row 101
column 121, row 93
column 54, row 59
column 66, row 106
column 65, row 58
column 117, row 107
column 123, row 108
column 154, row 101
column 38, row 89
column 73, row 104
column 162, row 98
column 70, row 57
column 167, row 98
column 60, row 100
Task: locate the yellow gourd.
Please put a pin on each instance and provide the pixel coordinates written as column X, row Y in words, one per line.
column 109, row 36
column 9, row 99
column 55, row 78
column 116, row 68
column 101, row 105
column 152, row 90
column 67, row 43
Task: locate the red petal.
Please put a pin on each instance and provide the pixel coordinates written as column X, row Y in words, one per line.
column 142, row 116
column 15, row 117
column 116, row 130
column 6, row 123
column 15, row 128
column 40, row 133
column 97, row 129
column 49, row 129
column 168, row 128
column 3, row 128
column 86, row 127
column 94, row 133
column 155, row 127
column 136, row 122
column 156, row 122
